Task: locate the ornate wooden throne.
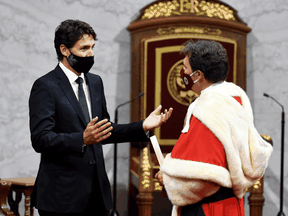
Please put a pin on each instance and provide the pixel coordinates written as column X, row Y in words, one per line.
column 157, row 36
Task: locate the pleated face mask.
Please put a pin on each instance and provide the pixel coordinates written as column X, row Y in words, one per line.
column 80, row 64
column 187, row 79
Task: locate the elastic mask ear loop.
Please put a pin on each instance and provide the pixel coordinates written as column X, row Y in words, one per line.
column 192, row 75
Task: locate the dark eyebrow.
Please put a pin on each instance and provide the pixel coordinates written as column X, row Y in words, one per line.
column 86, row 46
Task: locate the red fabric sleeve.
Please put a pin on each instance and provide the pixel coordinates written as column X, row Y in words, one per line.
column 200, row 144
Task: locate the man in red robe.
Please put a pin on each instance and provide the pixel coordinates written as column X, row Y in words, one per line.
column 219, row 153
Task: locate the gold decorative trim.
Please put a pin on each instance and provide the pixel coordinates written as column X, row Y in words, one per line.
column 134, row 173
column 157, row 186
column 176, row 86
column 195, row 30
column 136, row 160
column 158, row 70
column 181, row 7
column 257, row 185
column 266, row 137
column 162, row 10
column 145, row 169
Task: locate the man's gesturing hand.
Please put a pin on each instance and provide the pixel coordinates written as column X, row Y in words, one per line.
column 96, row 132
column 156, row 119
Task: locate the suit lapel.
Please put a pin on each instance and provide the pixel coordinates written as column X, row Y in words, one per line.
column 68, row 91
column 94, row 95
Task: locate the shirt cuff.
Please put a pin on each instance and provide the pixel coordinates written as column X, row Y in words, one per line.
column 83, row 148
column 148, row 134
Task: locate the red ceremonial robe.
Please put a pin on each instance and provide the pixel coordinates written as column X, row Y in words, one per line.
column 209, row 150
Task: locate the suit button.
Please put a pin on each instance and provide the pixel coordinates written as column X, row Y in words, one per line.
column 92, row 162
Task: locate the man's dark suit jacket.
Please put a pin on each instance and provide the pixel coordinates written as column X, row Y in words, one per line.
column 57, row 123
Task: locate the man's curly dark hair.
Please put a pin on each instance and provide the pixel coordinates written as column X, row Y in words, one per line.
column 210, row 57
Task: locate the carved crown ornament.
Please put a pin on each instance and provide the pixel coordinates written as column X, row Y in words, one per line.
column 211, row 9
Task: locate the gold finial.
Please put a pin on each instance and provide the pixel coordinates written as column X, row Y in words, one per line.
column 257, row 185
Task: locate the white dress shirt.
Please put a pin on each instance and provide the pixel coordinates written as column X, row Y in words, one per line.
column 72, row 77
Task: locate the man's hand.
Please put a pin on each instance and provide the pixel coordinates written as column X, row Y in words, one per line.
column 95, row 133
column 155, row 119
column 159, row 176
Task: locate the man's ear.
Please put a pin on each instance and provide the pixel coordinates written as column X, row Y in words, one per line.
column 65, row 52
column 200, row 75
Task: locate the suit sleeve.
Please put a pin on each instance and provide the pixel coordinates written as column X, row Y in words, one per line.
column 42, row 109
column 131, row 132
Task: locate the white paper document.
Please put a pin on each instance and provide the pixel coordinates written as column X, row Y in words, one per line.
column 157, row 149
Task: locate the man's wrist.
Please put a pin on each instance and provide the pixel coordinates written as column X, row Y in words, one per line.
column 145, row 126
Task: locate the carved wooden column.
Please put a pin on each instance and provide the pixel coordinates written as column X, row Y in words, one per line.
column 256, row 199
column 5, row 187
column 28, row 209
column 145, row 197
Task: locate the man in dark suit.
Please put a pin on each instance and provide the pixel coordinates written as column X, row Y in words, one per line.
column 69, row 123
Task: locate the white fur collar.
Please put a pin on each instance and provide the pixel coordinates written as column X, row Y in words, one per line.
column 221, row 87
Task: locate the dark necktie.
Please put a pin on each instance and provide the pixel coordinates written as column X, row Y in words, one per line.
column 82, row 99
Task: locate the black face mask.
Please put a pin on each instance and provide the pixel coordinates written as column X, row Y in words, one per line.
column 80, row 64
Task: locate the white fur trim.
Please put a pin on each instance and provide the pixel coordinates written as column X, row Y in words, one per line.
column 196, row 170
column 247, row 153
column 188, row 115
column 222, row 87
column 183, row 191
column 188, row 182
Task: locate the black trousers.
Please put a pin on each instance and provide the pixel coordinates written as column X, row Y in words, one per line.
column 95, row 206
column 94, row 212
column 196, row 209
